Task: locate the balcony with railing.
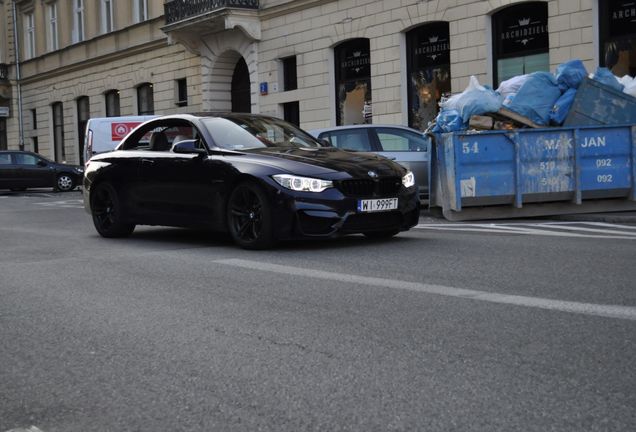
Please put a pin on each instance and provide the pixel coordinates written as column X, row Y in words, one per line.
column 180, row 10
column 188, row 21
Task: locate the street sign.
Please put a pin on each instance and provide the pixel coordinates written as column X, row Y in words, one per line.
column 4, row 111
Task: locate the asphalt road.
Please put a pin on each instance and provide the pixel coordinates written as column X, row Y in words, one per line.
column 525, row 326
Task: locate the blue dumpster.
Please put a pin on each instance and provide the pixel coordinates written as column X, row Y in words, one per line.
column 533, row 172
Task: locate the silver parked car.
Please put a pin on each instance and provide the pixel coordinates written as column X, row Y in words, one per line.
column 409, row 147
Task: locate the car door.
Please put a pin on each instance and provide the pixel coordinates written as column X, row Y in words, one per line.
column 175, row 189
column 354, row 139
column 33, row 171
column 410, row 149
column 6, row 171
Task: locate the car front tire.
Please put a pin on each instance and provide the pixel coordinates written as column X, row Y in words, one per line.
column 249, row 217
column 65, row 183
column 107, row 212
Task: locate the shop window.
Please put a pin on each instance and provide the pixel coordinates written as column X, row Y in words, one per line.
column 428, row 70
column 618, row 36
column 520, row 40
column 58, row 132
column 353, row 82
column 34, row 119
column 145, row 99
column 111, row 98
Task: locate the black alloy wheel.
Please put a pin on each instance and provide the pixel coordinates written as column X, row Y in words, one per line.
column 249, row 217
column 106, row 210
column 65, row 183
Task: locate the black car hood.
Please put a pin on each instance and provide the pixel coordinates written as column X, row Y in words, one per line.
column 327, row 160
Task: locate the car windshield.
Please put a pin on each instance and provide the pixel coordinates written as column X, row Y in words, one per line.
column 243, row 133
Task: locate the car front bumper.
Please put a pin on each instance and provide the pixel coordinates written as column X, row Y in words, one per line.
column 330, row 214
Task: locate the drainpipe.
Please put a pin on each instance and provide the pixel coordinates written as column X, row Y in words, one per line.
column 16, row 44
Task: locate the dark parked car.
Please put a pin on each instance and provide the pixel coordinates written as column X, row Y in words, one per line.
column 258, row 177
column 20, row 170
column 408, row 147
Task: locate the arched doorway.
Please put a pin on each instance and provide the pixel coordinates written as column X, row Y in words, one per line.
column 241, row 101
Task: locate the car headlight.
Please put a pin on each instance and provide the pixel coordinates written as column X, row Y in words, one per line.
column 408, row 180
column 302, row 184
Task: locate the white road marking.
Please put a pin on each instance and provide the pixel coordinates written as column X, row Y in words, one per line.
column 550, row 229
column 73, row 203
column 608, row 311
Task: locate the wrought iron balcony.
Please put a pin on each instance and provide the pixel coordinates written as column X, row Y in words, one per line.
column 179, row 10
column 4, row 72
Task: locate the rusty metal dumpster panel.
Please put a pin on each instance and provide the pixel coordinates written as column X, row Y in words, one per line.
column 509, row 171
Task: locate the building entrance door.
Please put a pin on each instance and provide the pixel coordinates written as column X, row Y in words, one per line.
column 241, row 101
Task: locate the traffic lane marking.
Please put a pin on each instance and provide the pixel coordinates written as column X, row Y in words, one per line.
column 73, row 203
column 520, row 228
column 606, row 311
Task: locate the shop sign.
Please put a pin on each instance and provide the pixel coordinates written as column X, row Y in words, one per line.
column 622, row 16
column 520, row 29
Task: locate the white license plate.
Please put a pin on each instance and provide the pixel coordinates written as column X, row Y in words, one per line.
column 377, row 205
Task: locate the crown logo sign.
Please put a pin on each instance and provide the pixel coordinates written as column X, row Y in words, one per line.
column 433, row 39
column 357, row 53
column 524, row 21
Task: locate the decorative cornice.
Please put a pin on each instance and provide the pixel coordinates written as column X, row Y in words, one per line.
column 95, row 61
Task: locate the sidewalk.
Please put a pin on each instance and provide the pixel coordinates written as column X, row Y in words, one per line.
column 628, row 217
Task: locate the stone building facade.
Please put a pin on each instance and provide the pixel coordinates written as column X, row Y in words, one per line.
column 315, row 62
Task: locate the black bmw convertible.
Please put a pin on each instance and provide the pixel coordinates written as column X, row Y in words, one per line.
column 258, row 177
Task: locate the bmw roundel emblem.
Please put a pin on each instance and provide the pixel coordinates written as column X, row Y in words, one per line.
column 373, row 174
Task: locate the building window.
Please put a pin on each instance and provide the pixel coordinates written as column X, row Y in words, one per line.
column 3, row 133
column 34, row 119
column 107, row 16
column 78, row 21
column 29, row 36
column 83, row 114
column 520, row 40
column 58, row 132
column 618, row 36
column 182, row 92
column 353, row 82
column 291, row 112
column 290, row 80
column 111, row 97
column 35, row 145
column 140, row 10
column 52, row 41
column 428, row 71
column 145, row 100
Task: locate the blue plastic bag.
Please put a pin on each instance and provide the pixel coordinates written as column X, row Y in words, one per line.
column 570, row 74
column 448, row 120
column 475, row 100
column 536, row 97
column 562, row 107
column 604, row 76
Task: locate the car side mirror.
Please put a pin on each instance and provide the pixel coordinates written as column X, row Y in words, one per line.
column 189, row 147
